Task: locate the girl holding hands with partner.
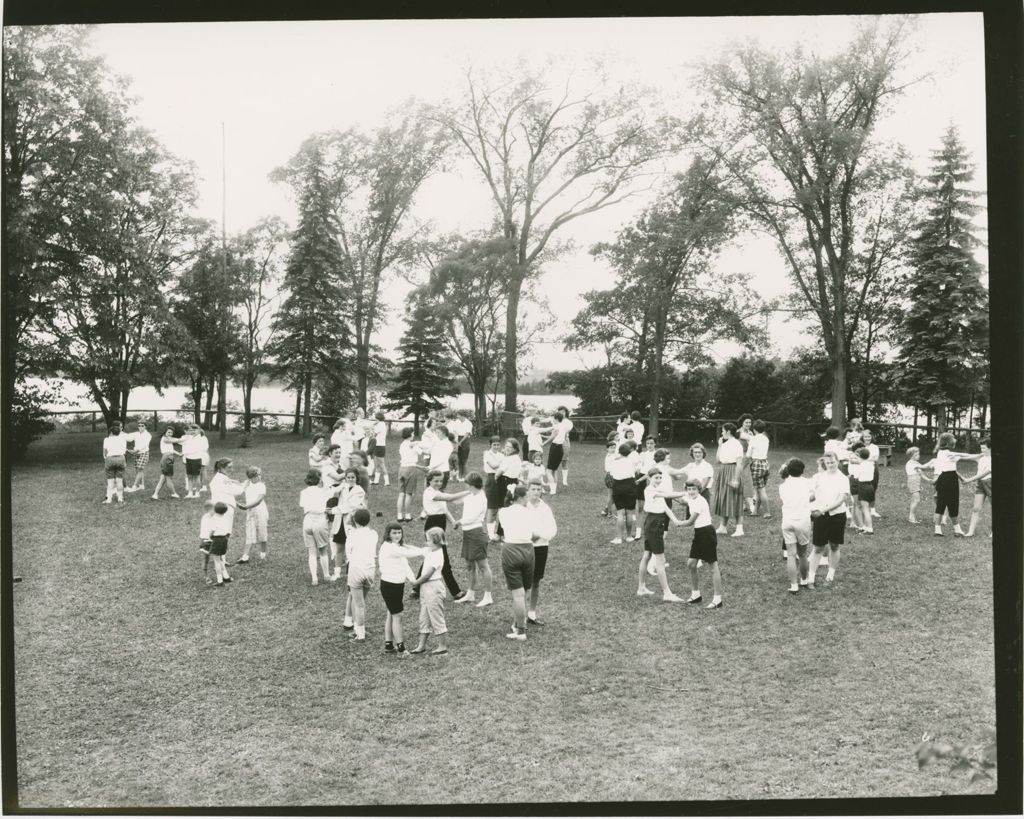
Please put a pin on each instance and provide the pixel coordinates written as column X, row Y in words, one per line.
column 727, row 491
column 655, row 524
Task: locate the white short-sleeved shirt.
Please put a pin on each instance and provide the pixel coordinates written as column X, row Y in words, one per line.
column 192, row 447
column 492, row 461
column 829, row 488
column 518, row 523
column 795, row 494
column 535, row 472
column 544, row 520
column 440, row 452
column 325, row 474
column 204, row 449
column 474, row 510
column 142, row 439
column 912, row 468
column 114, row 445
column 255, row 492
column 351, row 498
column 206, row 525
column 223, row 524
column 313, row 500
column 838, row 448
column 699, row 507
column 433, row 559
column 638, row 430
column 758, row 448
column 380, row 432
column 654, row 502
column 863, row 470
column 393, row 561
column 702, row 471
column 526, row 425
column 984, row 465
column 944, row 461
column 361, row 549
column 730, row 451
column 561, row 431
column 511, row 466
column 432, row 506
column 608, row 458
column 534, row 438
column 166, row 446
column 224, row 489
column 408, row 453
column 646, row 461
column 622, row 468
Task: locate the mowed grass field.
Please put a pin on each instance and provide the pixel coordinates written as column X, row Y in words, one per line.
column 139, row 685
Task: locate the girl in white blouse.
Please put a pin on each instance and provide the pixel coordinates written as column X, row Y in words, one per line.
column 947, row 482
column 983, row 485
column 726, row 492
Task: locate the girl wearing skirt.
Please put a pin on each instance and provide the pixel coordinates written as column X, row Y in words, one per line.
column 726, row 491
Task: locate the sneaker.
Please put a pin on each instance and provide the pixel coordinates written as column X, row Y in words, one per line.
column 671, row 598
column 629, row 539
column 721, row 530
column 389, row 647
column 874, row 513
column 462, row 594
column 713, row 605
column 315, row 582
column 173, row 495
column 533, row 621
column 515, row 634
column 616, row 542
column 643, row 591
column 348, row 628
column 465, row 598
column 486, row 600
column 228, row 579
column 738, row 532
column 242, row 560
column 154, row 497
column 108, row 500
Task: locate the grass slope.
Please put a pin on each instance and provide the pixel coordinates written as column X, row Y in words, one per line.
column 138, row 685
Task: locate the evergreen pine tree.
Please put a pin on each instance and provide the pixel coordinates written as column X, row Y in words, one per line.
column 424, row 372
column 944, row 351
column 312, row 342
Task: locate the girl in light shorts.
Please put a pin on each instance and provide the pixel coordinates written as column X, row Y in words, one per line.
column 432, row 595
column 257, row 516
column 796, row 493
column 914, row 477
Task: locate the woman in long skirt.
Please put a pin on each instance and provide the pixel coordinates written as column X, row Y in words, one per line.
column 726, row 491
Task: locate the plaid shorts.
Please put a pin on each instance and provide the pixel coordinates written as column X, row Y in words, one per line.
column 141, row 458
column 759, row 473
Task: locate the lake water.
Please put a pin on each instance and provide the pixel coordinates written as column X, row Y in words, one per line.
column 268, row 399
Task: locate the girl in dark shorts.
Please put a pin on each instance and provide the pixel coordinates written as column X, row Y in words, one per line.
column 507, row 476
column 828, row 520
column 492, row 463
column 704, row 546
column 394, row 571
column 655, row 524
column 623, row 470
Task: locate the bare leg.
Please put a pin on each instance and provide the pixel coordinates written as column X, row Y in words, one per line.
column 915, row 499
column 519, row 607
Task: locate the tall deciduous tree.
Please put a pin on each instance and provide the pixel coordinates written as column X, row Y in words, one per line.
column 944, row 355
column 467, row 291
column 424, row 372
column 669, row 304
column 795, row 133
column 257, row 257
column 550, row 153
column 371, row 182
column 312, row 339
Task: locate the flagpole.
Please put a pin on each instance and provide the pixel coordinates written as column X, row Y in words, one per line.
column 222, row 417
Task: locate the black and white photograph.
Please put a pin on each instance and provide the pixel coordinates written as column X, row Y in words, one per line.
column 471, row 413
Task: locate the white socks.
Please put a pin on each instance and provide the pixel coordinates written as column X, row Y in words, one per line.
column 486, row 600
column 492, row 530
column 347, row 622
column 387, row 479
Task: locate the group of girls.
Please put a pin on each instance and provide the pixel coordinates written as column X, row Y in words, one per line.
column 336, row 518
column 118, row 444
column 552, row 431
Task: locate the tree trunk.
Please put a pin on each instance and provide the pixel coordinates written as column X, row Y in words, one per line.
column 209, row 403
column 124, row 404
column 197, row 398
column 982, row 410
column 307, row 422
column 298, row 410
column 511, row 342
column 247, row 384
column 940, row 419
column 416, row 425
column 362, row 370
column 913, row 438
column 839, row 367
column 222, row 405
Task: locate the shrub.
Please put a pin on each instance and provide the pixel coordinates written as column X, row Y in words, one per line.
column 29, row 418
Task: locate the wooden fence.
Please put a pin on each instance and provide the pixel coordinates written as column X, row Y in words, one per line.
column 705, row 430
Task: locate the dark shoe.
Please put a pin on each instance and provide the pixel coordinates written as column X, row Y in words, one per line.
column 389, row 647
column 242, row 560
column 717, row 605
column 696, row 600
column 227, row 579
column 533, row 622
column 348, row 628
column 220, row 584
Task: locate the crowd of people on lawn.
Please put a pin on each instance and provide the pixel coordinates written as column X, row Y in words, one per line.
column 504, row 502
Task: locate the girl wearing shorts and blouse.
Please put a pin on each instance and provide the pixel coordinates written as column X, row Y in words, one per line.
column 546, row 530
column 828, row 519
column 492, row 459
column 623, row 469
column 796, row 493
column 703, row 548
column 757, row 452
column 140, row 456
column 474, row 541
column 947, row 482
column 914, row 478
column 655, row 524
column 115, row 446
column 435, row 505
column 430, row 588
column 380, row 438
column 393, row 560
column 409, row 472
column 517, row 557
column 315, row 530
column 983, row 488
column 361, row 556
column 167, row 456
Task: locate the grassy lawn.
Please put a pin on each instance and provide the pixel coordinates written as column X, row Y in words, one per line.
column 138, row 685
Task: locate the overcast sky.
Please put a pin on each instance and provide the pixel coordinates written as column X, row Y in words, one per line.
column 275, row 83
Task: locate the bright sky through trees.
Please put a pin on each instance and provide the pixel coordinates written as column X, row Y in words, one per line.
column 275, row 83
